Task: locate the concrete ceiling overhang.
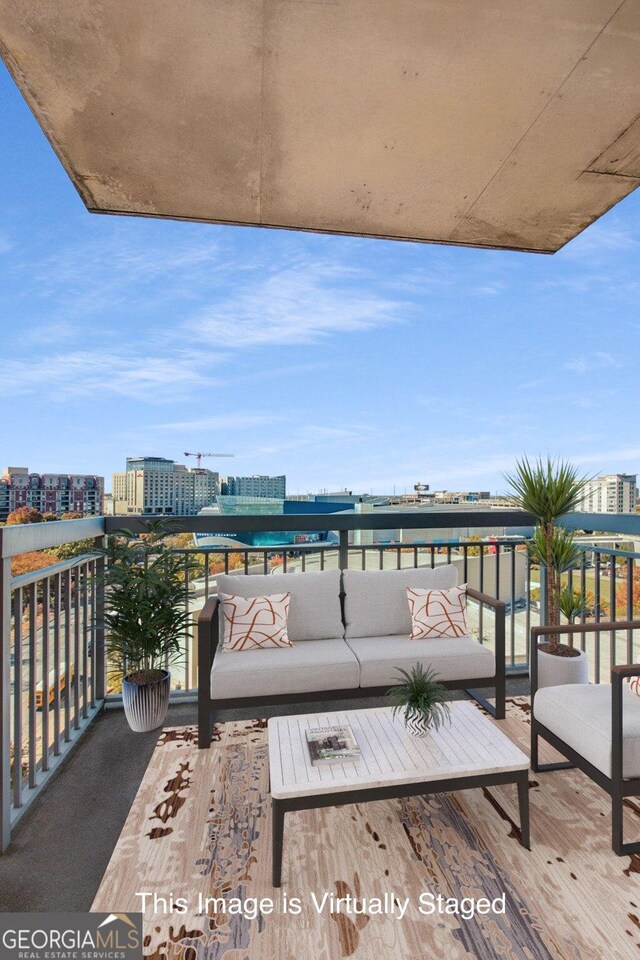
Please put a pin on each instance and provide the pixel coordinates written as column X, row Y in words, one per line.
column 493, row 123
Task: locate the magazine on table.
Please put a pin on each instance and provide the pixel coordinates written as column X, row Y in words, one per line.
column 332, row 744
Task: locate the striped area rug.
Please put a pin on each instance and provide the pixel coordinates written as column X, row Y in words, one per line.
column 200, row 830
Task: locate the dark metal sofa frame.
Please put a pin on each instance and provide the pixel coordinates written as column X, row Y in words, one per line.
column 616, row 786
column 208, row 639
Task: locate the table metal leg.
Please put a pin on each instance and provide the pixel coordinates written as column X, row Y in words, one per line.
column 277, row 811
column 523, row 800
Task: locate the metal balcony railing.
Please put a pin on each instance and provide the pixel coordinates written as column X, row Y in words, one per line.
column 54, row 674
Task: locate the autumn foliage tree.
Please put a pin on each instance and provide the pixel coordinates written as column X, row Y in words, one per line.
column 622, row 594
column 234, row 562
column 30, row 562
column 24, row 515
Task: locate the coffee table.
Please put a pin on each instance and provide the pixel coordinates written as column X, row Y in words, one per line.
column 469, row 752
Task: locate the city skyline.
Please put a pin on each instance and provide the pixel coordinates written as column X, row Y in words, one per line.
column 340, row 362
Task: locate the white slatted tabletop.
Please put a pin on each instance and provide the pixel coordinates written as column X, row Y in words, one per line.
column 471, row 745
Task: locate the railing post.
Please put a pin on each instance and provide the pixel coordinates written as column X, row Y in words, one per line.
column 99, row 660
column 343, row 550
column 543, row 595
column 5, row 702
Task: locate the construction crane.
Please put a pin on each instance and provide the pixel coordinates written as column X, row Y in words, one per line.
column 199, row 456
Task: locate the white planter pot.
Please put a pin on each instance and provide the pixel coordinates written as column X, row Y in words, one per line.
column 553, row 671
column 146, row 704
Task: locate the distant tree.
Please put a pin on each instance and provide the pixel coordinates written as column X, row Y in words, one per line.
column 622, row 594
column 30, row 562
column 180, row 541
column 24, row 515
column 473, row 551
column 235, row 561
column 67, row 551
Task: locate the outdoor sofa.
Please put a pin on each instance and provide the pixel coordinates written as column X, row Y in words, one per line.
column 350, row 632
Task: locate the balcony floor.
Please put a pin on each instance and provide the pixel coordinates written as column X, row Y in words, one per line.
column 61, row 848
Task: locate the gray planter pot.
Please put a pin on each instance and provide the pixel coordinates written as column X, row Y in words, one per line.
column 146, row 704
column 553, row 671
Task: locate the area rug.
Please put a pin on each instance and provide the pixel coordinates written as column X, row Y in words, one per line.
column 200, row 827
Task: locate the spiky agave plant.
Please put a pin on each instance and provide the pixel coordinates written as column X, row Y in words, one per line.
column 549, row 489
column 420, row 698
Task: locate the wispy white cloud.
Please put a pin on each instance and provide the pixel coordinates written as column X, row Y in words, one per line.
column 598, row 360
column 490, row 289
column 623, row 457
column 297, row 304
column 224, row 421
column 118, row 272
column 600, row 239
column 81, row 373
column 322, row 438
column 118, row 259
column 54, row 331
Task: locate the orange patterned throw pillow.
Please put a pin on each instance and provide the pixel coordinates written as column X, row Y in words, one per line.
column 253, row 623
column 438, row 613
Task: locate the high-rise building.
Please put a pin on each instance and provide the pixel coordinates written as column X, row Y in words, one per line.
column 255, row 486
column 611, row 493
column 160, row 486
column 50, row 492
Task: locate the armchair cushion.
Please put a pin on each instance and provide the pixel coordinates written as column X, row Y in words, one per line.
column 580, row 715
column 375, row 602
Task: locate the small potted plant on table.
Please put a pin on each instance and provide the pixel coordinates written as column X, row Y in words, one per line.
column 420, row 699
column 146, row 619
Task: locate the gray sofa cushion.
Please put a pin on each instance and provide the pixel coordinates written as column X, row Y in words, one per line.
column 457, row 658
column 314, row 611
column 376, row 604
column 305, row 667
column 580, row 714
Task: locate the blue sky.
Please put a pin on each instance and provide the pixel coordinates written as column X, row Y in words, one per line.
column 340, row 362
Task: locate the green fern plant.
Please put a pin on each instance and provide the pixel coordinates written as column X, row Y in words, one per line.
column 419, row 696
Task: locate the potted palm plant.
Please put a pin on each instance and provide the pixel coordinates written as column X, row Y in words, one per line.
column 420, row 699
column 146, row 619
column 549, row 490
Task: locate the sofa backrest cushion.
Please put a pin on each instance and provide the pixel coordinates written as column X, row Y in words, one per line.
column 375, row 602
column 314, row 610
